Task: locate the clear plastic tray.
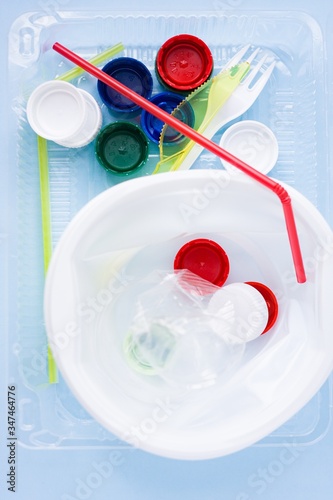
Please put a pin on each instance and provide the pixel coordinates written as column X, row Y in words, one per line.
column 292, row 102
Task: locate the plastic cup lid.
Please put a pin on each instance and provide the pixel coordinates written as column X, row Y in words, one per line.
column 271, row 301
column 121, row 147
column 184, row 62
column 151, row 125
column 132, row 73
column 56, row 110
column 253, row 142
column 205, row 258
column 92, row 125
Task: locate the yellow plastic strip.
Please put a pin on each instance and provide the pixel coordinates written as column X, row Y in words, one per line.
column 46, row 229
column 96, row 60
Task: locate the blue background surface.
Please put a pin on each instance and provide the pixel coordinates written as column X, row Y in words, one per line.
column 269, row 473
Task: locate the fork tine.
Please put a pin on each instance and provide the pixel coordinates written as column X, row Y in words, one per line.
column 253, row 55
column 260, row 84
column 251, row 75
column 236, row 58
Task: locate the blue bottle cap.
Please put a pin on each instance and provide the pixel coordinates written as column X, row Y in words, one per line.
column 132, row 73
column 151, row 125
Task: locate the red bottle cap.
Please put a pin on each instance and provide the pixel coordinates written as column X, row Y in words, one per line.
column 205, row 258
column 184, row 62
column 272, row 303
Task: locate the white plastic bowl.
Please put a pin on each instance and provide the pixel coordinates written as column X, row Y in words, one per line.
column 137, row 227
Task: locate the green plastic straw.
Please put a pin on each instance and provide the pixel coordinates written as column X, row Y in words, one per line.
column 44, row 186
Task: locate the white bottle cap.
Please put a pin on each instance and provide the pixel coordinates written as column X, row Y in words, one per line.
column 244, row 310
column 56, row 110
column 253, row 142
column 91, row 126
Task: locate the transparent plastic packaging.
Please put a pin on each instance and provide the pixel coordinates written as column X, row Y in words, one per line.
column 50, row 415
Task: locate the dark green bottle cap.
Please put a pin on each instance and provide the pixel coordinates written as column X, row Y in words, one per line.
column 121, row 147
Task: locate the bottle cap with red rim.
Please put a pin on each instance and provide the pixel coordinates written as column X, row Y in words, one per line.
column 271, row 301
column 204, row 258
column 184, row 62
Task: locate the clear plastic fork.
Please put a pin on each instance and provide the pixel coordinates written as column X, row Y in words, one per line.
column 240, row 100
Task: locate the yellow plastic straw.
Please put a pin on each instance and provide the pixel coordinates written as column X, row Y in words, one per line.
column 96, row 60
column 44, row 186
column 45, row 200
column 46, row 230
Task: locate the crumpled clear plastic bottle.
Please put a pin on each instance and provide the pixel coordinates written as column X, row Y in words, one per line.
column 173, row 334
